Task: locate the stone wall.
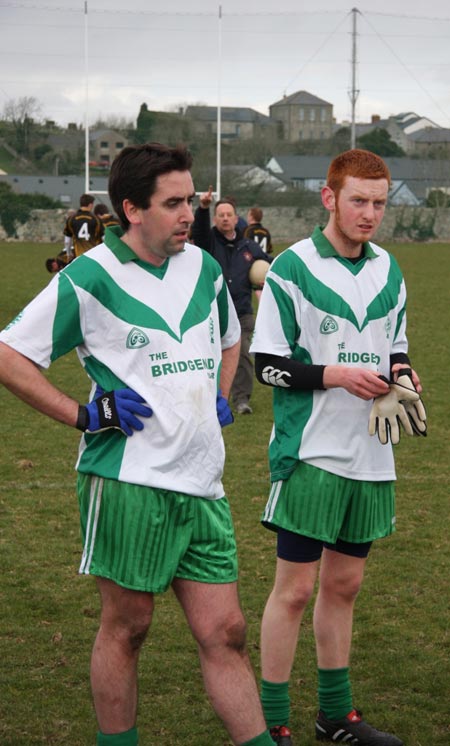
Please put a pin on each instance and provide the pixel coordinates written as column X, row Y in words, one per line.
column 287, row 224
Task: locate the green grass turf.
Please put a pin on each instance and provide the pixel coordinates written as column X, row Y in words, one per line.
column 400, row 662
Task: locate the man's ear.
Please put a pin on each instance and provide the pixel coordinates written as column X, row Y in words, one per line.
column 328, row 198
column 132, row 212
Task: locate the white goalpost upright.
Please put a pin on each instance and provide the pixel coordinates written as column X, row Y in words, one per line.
column 87, row 188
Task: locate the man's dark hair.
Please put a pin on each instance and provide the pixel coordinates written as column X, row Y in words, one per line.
column 134, row 173
column 101, row 209
column 86, row 200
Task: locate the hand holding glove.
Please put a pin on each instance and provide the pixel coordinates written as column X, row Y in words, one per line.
column 388, row 411
column 224, row 413
column 414, row 409
column 116, row 409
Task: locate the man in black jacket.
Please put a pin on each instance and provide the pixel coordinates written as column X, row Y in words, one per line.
column 235, row 255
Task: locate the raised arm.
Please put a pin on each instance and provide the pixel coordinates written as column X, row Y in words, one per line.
column 201, row 227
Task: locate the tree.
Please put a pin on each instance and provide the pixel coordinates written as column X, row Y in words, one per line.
column 144, row 124
column 22, row 113
column 379, row 141
column 438, row 198
column 16, row 208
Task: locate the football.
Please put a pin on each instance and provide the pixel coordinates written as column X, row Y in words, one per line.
column 258, row 271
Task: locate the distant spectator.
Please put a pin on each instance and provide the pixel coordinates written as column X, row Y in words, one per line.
column 241, row 224
column 106, row 217
column 56, row 263
column 256, row 231
column 235, row 255
column 85, row 228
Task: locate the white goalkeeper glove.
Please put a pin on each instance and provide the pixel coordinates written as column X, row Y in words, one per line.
column 389, row 411
column 414, row 409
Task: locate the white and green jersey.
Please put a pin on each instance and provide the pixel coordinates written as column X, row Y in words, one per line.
column 157, row 330
column 320, row 308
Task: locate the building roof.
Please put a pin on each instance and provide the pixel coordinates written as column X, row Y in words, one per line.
column 228, row 114
column 431, row 135
column 419, row 174
column 98, row 134
column 302, row 97
column 68, row 189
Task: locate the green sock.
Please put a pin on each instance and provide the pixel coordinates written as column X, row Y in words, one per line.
column 263, row 740
column 275, row 702
column 127, row 738
column 335, row 692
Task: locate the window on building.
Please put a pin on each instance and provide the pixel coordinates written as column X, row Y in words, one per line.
column 104, row 144
column 301, row 114
column 312, row 115
column 119, row 145
column 323, row 114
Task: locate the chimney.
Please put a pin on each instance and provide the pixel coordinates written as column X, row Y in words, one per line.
column 375, row 118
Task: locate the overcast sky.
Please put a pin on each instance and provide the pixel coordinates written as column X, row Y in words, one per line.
column 167, row 58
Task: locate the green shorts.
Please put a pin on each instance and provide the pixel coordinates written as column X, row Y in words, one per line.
column 325, row 506
column 142, row 538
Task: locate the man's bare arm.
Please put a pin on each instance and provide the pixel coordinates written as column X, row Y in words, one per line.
column 230, row 360
column 24, row 379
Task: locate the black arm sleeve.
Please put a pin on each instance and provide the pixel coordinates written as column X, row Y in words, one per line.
column 399, row 357
column 201, row 228
column 275, row 370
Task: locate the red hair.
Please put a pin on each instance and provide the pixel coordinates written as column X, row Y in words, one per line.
column 362, row 164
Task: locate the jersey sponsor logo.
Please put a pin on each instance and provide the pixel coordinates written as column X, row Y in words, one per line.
column 329, row 325
column 388, row 327
column 183, row 366
column 137, row 338
column 275, row 376
column 359, row 357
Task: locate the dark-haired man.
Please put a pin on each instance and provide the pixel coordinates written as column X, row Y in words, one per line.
column 107, row 218
column 155, row 329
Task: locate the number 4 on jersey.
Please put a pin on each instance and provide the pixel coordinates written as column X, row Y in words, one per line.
column 84, row 232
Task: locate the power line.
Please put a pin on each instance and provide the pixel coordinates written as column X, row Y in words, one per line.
column 406, row 68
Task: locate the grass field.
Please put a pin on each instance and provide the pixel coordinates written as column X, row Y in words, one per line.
column 400, row 663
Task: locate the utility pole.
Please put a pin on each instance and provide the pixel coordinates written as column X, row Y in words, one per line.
column 354, row 93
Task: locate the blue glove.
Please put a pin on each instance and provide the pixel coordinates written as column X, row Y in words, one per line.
column 113, row 409
column 224, row 413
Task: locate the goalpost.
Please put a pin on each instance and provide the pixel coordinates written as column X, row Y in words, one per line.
column 87, row 188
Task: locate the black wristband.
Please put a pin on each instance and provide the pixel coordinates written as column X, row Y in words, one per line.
column 82, row 419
